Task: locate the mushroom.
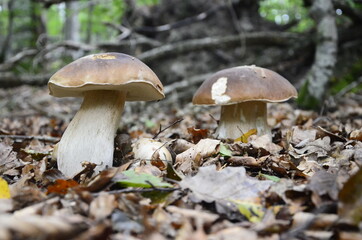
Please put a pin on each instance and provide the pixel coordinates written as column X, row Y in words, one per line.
column 243, row 93
column 105, row 81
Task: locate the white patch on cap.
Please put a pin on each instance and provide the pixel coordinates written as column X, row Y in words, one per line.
column 263, row 75
column 218, row 90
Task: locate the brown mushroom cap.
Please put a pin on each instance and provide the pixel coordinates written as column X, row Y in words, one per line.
column 244, row 83
column 107, row 71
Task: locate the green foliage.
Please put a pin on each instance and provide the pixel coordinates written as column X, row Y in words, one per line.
column 143, row 180
column 147, row 2
column 54, row 21
column 4, row 14
column 305, row 100
column 352, row 75
column 285, row 11
column 225, row 151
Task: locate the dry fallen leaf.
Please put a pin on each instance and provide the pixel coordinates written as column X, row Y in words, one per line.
column 61, row 186
column 197, row 134
column 4, row 189
column 244, row 138
column 192, row 157
column 102, row 206
column 231, row 183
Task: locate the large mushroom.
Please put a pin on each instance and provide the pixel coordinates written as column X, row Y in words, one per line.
column 243, row 93
column 105, row 81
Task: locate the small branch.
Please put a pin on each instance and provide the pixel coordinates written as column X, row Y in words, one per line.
column 172, row 124
column 20, row 138
column 11, row 80
column 182, row 23
column 262, row 38
column 16, row 58
column 140, row 190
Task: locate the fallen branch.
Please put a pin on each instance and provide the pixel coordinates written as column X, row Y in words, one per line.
column 11, row 80
column 16, row 58
column 262, row 38
column 25, row 138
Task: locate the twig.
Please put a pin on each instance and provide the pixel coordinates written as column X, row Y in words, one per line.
column 262, row 38
column 172, row 124
column 140, row 190
column 349, row 87
column 23, row 138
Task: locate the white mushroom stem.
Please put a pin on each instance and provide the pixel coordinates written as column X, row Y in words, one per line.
column 90, row 135
column 238, row 119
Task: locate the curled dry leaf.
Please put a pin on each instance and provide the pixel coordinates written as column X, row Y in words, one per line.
column 102, row 206
column 231, row 183
column 264, row 142
column 193, row 156
column 356, row 135
column 61, row 186
column 350, row 199
column 40, row 227
column 180, row 145
column 8, row 159
column 233, row 233
column 197, row 134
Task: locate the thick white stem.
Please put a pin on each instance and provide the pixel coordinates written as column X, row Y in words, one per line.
column 238, row 119
column 90, row 135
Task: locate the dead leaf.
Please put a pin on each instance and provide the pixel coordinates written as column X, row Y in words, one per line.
column 4, row 189
column 350, row 197
column 231, row 183
column 197, row 134
column 244, row 138
column 61, row 186
column 299, row 135
column 41, row 227
column 191, row 158
column 205, row 147
column 180, row 145
column 320, row 147
column 233, row 233
column 265, row 143
column 323, row 183
column 102, row 206
column 356, row 135
column 8, row 159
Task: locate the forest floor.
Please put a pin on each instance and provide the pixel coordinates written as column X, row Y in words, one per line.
column 303, row 185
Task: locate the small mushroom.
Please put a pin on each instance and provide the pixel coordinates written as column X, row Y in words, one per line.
column 243, row 93
column 105, row 81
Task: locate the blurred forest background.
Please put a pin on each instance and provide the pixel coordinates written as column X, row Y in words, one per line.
column 317, row 45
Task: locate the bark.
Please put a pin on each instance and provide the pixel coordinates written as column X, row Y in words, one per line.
column 316, row 80
column 6, row 47
column 71, row 29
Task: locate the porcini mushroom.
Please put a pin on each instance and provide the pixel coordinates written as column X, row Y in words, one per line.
column 243, row 93
column 105, row 81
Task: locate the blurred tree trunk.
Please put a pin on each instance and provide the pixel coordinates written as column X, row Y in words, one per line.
column 6, row 47
column 316, row 80
column 90, row 22
column 72, row 26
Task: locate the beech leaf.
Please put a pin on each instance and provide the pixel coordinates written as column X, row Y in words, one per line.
column 130, row 178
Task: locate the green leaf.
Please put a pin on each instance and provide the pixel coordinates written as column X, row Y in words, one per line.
column 144, row 180
column 269, row 177
column 254, row 212
column 225, row 151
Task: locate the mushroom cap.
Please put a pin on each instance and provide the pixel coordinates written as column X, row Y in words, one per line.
column 107, row 71
column 244, row 83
